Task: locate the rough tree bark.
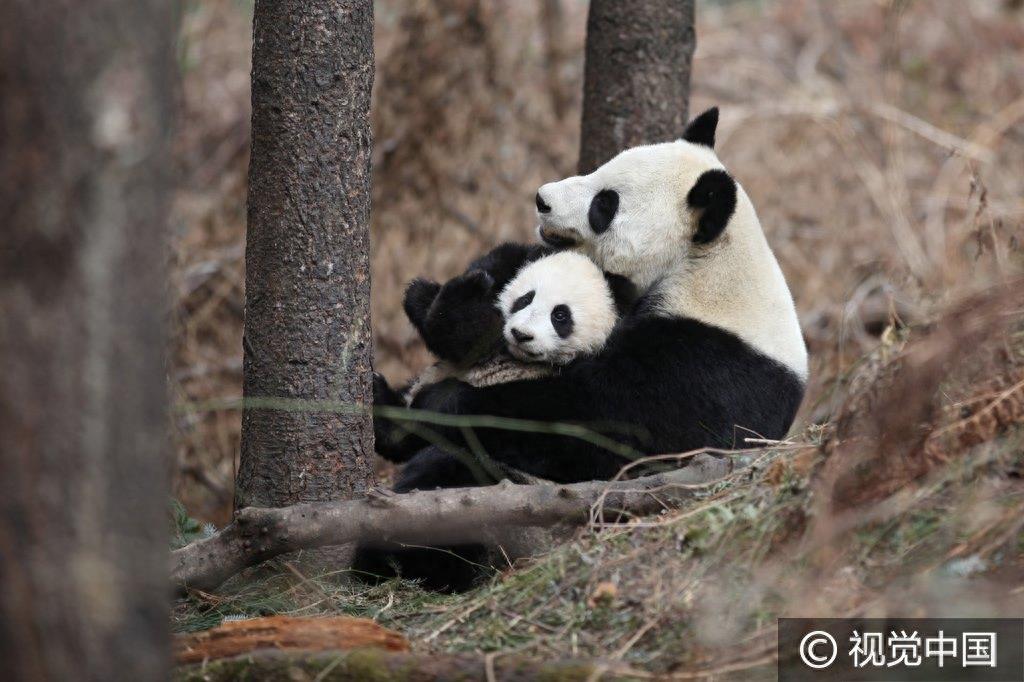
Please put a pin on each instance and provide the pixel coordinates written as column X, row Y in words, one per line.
column 636, row 76
column 307, row 321
column 479, row 514
column 87, row 92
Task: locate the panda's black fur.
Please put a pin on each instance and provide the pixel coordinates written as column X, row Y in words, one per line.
column 468, row 300
column 661, row 384
column 715, row 194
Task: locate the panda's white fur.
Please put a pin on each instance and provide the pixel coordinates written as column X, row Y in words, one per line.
column 561, row 279
column 734, row 283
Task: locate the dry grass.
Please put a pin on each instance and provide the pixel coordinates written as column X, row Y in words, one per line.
column 882, row 143
column 699, row 589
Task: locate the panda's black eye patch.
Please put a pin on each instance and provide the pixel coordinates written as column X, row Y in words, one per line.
column 602, row 211
column 522, row 302
column 561, row 320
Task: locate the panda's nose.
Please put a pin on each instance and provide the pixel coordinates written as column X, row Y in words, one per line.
column 542, row 205
column 520, row 337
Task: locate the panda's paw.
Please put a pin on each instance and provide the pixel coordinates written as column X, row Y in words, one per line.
column 389, row 437
column 463, row 324
column 419, row 296
column 378, row 496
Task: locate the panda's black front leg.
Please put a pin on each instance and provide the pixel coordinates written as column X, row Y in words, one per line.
column 444, row 568
column 462, row 324
column 393, row 442
column 557, row 399
column 419, row 296
column 458, row 321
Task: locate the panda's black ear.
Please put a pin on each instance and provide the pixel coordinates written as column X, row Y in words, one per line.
column 714, row 196
column 701, row 130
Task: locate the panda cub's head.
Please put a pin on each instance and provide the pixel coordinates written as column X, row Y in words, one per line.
column 557, row 308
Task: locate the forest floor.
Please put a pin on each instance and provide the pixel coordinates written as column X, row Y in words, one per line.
column 927, row 525
column 882, row 144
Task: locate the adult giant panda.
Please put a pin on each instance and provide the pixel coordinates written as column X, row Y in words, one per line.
column 711, row 353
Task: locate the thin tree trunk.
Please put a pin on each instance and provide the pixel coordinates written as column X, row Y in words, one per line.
column 307, row 321
column 636, row 77
column 84, row 115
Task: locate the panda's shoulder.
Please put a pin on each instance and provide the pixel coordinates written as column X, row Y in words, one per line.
column 685, row 340
column 643, row 332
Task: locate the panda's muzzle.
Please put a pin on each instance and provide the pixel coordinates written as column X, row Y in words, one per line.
column 557, row 238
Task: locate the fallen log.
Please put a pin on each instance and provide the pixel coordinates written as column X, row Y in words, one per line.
column 284, row 633
column 453, row 515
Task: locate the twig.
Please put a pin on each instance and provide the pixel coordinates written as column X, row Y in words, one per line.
column 489, row 666
column 462, row 616
column 624, row 649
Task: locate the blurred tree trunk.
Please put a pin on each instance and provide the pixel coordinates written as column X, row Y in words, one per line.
column 636, row 83
column 553, row 27
column 307, row 320
column 87, row 92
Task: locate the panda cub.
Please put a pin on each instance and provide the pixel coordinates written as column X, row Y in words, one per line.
column 554, row 310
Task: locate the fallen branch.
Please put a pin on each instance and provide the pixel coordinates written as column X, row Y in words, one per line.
column 284, row 633
column 458, row 514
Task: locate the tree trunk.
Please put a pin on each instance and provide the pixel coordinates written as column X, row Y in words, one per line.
column 636, row 77
column 84, row 115
column 307, row 320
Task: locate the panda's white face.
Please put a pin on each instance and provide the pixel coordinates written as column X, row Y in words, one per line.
column 631, row 214
column 556, row 309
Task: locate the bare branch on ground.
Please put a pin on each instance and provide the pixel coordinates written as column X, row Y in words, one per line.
column 460, row 514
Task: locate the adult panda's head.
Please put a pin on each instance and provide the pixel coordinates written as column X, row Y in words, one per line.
column 645, row 210
column 673, row 220
column 558, row 308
